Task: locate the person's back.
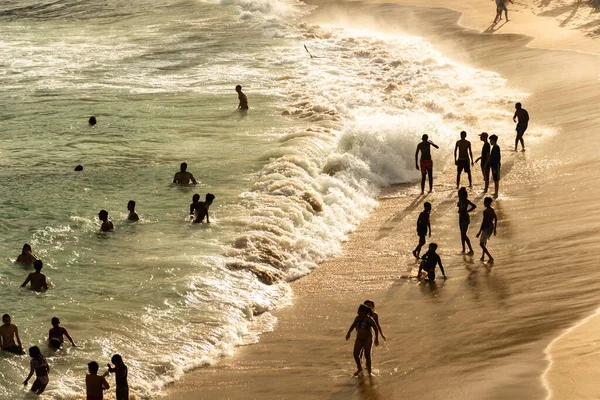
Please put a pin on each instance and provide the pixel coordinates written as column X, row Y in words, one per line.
column 133, row 217
column 95, row 384
column 423, row 222
column 495, row 157
column 522, row 116
column 463, row 146
column 430, row 260
column 425, row 149
column 37, row 280
column 183, row 177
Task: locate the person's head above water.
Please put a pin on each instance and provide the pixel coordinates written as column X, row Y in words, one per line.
column 493, row 139
column 433, row 246
column 425, row 137
column 196, row 198
column 487, row 201
column 103, row 215
column 131, row 205
column 209, row 198
column 518, row 106
column 79, row 168
column 92, row 121
column 238, row 88
column 37, row 265
column 55, row 322
column 183, row 167
column 26, row 249
column 427, row 206
column 463, row 134
column 462, row 193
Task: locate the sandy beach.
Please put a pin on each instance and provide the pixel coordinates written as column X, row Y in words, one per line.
column 482, row 334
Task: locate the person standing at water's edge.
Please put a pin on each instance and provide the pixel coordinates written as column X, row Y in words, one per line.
column 485, row 155
column 120, row 371
column 494, row 163
column 465, row 206
column 465, row 158
column 522, row 116
column 423, row 226
column 183, row 177
column 501, row 6
column 488, row 227
column 242, row 98
column 8, row 333
column 107, row 226
column 426, row 163
column 364, row 339
column 37, row 279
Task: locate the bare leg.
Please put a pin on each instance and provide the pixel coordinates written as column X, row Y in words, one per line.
column 422, row 183
column 522, row 142
column 430, row 173
column 486, row 252
column 496, row 186
column 470, row 179
column 516, row 142
column 368, row 345
column 358, row 346
column 417, row 249
column 458, row 179
column 506, row 13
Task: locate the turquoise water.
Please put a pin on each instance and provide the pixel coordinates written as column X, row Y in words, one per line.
column 291, row 177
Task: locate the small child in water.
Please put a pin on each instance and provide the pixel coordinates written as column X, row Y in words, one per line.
column 38, row 365
column 56, row 335
column 37, row 279
column 120, row 370
column 201, row 208
column 364, row 339
column 95, row 384
column 422, row 226
column 429, row 261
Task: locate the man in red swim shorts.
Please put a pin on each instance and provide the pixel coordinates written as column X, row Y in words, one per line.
column 426, row 163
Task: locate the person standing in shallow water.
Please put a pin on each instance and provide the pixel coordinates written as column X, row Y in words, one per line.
column 522, row 116
column 364, row 339
column 133, row 217
column 488, row 227
column 465, row 206
column 57, row 333
column 465, row 158
column 92, row 122
column 242, row 98
column 107, row 226
column 485, row 155
column 40, row 367
column 8, row 333
column 426, row 163
column 95, row 384
column 37, row 279
column 423, row 226
column 184, row 177
column 120, row 371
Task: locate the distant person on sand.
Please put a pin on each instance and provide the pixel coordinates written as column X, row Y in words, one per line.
column 430, row 260
column 465, row 206
column 488, row 227
column 92, row 122
column 95, row 384
column 183, row 177
column 26, row 256
column 426, row 163
column 494, row 163
column 38, row 365
column 465, row 158
column 56, row 335
column 485, row 155
column 522, row 116
column 364, row 339
column 107, row 226
column 133, row 217
column 423, row 226
column 375, row 316
column 37, row 279
column 120, row 371
column 201, row 208
column 501, row 6
column 8, row 333
column 242, row 97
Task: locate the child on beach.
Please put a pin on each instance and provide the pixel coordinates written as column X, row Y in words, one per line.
column 488, row 226
column 95, row 384
column 38, row 365
column 37, row 279
column 422, row 226
column 8, row 333
column 120, row 370
column 374, row 315
column 429, row 261
column 364, row 339
column 56, row 335
column 26, row 256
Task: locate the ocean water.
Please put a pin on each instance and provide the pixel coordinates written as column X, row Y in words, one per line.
column 292, row 177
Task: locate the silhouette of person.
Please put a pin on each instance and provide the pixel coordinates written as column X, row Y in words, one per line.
column 522, row 116
column 92, row 122
column 465, row 206
column 423, row 226
column 26, row 256
column 488, row 227
column 364, row 339
column 465, row 158
column 37, row 279
column 429, row 261
column 242, row 98
column 57, row 333
column 107, row 226
column 494, row 163
column 40, row 367
column 133, row 217
column 426, row 163
column 485, row 155
column 183, row 177
column 201, row 208
column 8, row 333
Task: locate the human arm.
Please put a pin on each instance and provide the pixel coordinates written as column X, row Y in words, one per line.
column 111, row 369
column 175, row 179
column 434, row 145
column 429, row 227
column 420, row 269
column 69, row 337
column 417, row 157
column 495, row 222
column 351, row 329
column 441, row 267
column 193, row 179
column 480, row 229
column 207, row 219
column 472, row 206
column 31, row 371
column 376, row 319
column 18, row 338
column 471, row 154
column 376, row 329
column 478, row 158
column 515, row 116
column 455, row 150
column 26, row 281
column 45, row 283
column 105, row 385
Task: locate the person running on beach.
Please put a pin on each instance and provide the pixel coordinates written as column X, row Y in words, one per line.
column 426, row 163
column 429, row 261
column 522, row 116
column 56, row 335
column 133, row 217
column 465, row 158
column 375, row 316
column 183, row 177
column 501, row 6
column 485, row 155
column 95, row 384
column 465, row 206
column 488, row 227
column 8, row 333
column 364, row 339
column 107, row 226
column 201, row 208
column 37, row 279
column 120, row 370
column 38, row 365
column 242, row 98
column 494, row 163
column 26, row 256
column 423, row 226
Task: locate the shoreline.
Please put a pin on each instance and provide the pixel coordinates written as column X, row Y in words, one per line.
column 253, row 368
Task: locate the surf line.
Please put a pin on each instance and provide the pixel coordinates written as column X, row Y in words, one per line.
column 549, row 347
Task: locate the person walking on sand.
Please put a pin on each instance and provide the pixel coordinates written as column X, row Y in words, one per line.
column 95, row 384
column 39, row 365
column 375, row 316
column 120, row 371
column 522, row 116
column 183, row 177
column 494, row 163
column 242, row 98
column 107, row 226
column 37, row 279
column 57, row 333
column 8, row 333
column 485, row 155
column 488, row 227
column 133, row 217
column 501, row 6
column 26, row 257
column 430, row 260
column 364, row 339
column 465, row 158
column 426, row 163
column 465, row 206
column 423, row 226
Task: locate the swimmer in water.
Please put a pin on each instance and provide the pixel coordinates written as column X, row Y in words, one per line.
column 107, row 226
column 37, row 279
column 8, row 333
column 56, row 335
column 92, row 122
column 26, row 256
column 426, row 163
column 120, row 371
column 133, row 217
column 183, row 177
column 201, row 208
column 40, row 367
column 364, row 339
column 242, row 98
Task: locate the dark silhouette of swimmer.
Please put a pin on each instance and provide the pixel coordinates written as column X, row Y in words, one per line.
column 465, row 206
column 183, row 177
column 465, row 158
column 485, row 155
column 107, row 226
column 57, row 333
column 522, row 116
column 423, row 226
column 242, row 97
column 429, row 261
column 133, row 217
column 488, row 227
column 37, row 279
column 8, row 333
column 364, row 339
column 26, row 256
column 79, row 168
column 426, row 163
column 92, row 122
column 201, row 208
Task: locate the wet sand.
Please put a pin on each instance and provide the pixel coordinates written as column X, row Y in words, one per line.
column 481, row 334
